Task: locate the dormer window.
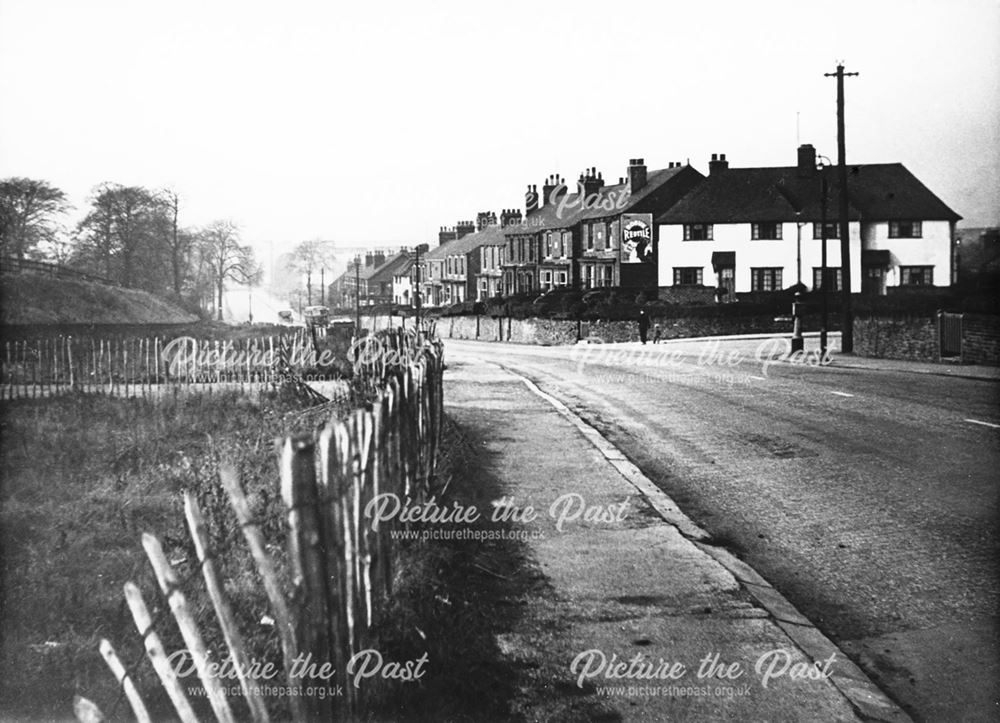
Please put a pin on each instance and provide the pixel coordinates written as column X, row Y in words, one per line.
column 768, row 231
column 697, row 232
column 905, row 229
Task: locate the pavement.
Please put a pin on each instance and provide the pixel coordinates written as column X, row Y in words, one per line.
column 645, row 619
column 837, row 358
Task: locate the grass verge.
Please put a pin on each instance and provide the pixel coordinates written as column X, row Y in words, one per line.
column 82, row 478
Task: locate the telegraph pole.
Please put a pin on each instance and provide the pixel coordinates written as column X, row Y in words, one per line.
column 847, row 323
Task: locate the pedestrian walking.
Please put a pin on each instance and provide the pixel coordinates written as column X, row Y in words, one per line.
column 656, row 333
column 643, row 325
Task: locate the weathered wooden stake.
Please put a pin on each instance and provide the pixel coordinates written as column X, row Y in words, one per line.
column 170, row 585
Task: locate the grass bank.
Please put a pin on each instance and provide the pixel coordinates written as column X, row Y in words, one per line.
column 82, row 478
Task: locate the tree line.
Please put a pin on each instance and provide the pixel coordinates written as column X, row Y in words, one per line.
column 131, row 236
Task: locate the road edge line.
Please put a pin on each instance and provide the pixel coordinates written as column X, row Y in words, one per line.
column 862, row 694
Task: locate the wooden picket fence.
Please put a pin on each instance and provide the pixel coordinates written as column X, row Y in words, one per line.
column 341, row 569
column 146, row 366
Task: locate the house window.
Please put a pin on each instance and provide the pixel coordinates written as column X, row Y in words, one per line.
column 588, row 235
column 905, row 229
column 697, row 232
column 562, row 278
column 832, row 230
column 687, row 275
column 765, row 231
column 605, row 275
column 916, row 275
column 765, row 279
column 834, row 278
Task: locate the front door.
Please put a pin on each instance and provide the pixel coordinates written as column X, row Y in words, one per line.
column 874, row 281
column 727, row 281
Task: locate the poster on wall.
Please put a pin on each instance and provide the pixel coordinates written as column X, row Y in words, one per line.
column 637, row 238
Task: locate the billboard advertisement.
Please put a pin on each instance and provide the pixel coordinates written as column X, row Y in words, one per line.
column 637, row 238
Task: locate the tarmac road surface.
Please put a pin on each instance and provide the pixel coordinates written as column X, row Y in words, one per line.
column 868, row 497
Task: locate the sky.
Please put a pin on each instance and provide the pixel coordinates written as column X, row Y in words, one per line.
column 374, row 124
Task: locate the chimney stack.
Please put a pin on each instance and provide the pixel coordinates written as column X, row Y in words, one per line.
column 369, row 259
column 510, row 217
column 554, row 184
column 464, row 228
column 636, row 174
column 484, row 219
column 807, row 160
column 531, row 200
column 378, row 258
column 718, row 164
column 592, row 182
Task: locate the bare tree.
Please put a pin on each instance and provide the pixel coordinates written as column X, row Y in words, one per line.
column 310, row 256
column 177, row 241
column 120, row 229
column 227, row 259
column 29, row 211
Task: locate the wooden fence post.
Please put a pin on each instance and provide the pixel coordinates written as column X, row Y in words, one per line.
column 157, row 655
column 282, row 617
column 308, row 558
column 223, row 610
column 125, row 681
column 170, row 585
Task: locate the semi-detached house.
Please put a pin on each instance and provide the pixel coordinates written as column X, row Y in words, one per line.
column 760, row 229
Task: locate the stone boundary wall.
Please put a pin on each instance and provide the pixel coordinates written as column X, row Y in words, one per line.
column 914, row 339
column 981, row 339
column 547, row 332
column 918, row 338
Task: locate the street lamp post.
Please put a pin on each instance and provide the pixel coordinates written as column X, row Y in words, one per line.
column 417, row 291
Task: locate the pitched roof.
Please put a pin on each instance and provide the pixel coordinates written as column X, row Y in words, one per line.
column 403, row 268
column 438, row 252
column 608, row 202
column 878, row 191
column 387, row 268
column 490, row 236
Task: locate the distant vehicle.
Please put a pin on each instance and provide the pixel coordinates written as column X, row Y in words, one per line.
column 318, row 316
column 286, row 316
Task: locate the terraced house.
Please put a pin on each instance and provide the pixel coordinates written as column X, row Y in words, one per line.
column 760, row 229
column 435, row 288
column 601, row 235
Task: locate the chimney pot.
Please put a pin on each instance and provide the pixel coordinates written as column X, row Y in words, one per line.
column 718, row 164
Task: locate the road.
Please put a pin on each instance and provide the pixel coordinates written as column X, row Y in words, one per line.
column 869, row 498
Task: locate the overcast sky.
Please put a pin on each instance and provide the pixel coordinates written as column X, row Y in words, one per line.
column 379, row 122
